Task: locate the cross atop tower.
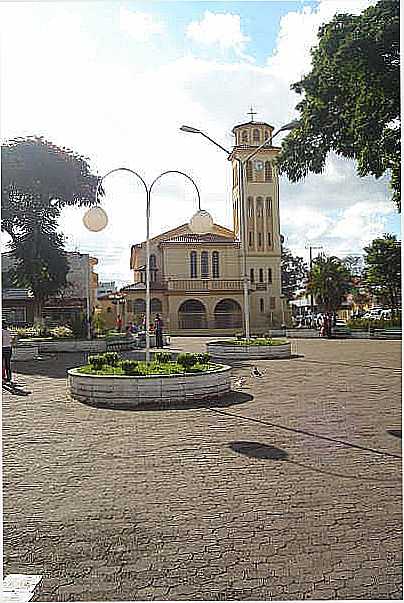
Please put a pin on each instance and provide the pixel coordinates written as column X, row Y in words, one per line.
column 252, row 113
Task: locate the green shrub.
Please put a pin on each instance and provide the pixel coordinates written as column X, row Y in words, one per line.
column 187, row 360
column 130, row 367
column 111, row 358
column 163, row 357
column 364, row 324
column 61, row 332
column 96, row 362
column 79, row 327
column 204, row 358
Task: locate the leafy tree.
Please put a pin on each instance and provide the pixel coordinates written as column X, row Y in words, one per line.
column 294, row 273
column 351, row 101
column 38, row 180
column 383, row 269
column 329, row 282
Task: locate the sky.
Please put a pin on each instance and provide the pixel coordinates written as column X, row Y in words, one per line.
column 114, row 81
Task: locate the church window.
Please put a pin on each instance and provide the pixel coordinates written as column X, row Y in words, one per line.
column 215, row 264
column 261, row 305
column 250, row 239
column 152, row 262
column 252, row 275
column 260, row 239
column 260, row 205
column 250, row 207
column 204, row 264
column 266, row 134
column 269, row 240
column 249, row 171
column 269, row 275
column 256, row 135
column 268, row 171
column 194, row 270
column 268, row 203
column 261, row 275
column 244, row 136
column 272, row 303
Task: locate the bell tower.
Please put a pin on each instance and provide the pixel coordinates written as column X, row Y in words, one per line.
column 260, row 217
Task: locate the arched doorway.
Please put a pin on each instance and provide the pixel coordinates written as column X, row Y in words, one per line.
column 192, row 315
column 228, row 314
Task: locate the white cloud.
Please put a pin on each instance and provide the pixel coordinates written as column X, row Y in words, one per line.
column 140, row 26
column 298, row 34
column 219, row 29
column 126, row 113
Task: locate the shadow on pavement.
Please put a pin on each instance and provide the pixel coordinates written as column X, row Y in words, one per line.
column 258, row 450
column 230, row 399
column 307, row 433
column 397, row 433
column 15, row 389
column 54, row 366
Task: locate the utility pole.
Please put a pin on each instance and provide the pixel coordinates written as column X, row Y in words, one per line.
column 311, row 247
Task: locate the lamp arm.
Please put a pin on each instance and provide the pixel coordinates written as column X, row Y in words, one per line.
column 214, row 142
column 182, row 174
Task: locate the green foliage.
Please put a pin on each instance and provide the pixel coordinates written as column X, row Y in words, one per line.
column 329, row 282
column 79, row 327
column 351, row 102
column 294, row 273
column 130, row 367
column 258, row 342
column 111, row 358
column 96, row 362
column 383, row 269
column 38, row 180
column 163, row 357
column 204, row 358
column 99, row 324
column 187, row 360
column 364, row 324
column 61, row 332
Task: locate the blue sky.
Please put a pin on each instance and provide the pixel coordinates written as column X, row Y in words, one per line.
column 115, row 80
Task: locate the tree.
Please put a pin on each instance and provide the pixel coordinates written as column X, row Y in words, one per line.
column 38, row 180
column 383, row 269
column 352, row 98
column 294, row 273
column 329, row 282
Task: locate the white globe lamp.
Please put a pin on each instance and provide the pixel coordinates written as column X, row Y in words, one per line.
column 95, row 219
column 201, row 222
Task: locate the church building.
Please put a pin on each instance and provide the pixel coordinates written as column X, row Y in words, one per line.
column 197, row 269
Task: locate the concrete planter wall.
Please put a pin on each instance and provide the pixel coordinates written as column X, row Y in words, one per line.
column 359, row 334
column 224, row 351
column 109, row 391
column 73, row 345
column 25, row 351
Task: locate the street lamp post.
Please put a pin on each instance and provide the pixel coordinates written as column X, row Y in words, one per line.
column 148, row 190
column 242, row 163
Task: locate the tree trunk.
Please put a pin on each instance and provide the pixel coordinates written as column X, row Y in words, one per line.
column 38, row 318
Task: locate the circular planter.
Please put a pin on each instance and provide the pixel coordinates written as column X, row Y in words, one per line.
column 25, row 351
column 72, row 345
column 125, row 391
column 227, row 351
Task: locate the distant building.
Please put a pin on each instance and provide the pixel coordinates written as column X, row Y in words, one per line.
column 18, row 304
column 106, row 287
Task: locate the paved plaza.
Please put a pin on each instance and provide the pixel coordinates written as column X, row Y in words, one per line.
column 289, row 488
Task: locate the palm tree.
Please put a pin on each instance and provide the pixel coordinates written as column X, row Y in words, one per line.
column 329, row 282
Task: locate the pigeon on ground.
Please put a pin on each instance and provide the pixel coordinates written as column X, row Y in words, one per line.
column 255, row 372
column 240, row 382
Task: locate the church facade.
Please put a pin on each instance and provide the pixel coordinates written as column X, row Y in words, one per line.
column 197, row 269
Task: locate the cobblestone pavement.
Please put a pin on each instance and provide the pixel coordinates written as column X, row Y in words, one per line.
column 288, row 489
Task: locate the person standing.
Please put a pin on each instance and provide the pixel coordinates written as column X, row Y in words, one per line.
column 7, row 339
column 158, row 330
column 119, row 324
